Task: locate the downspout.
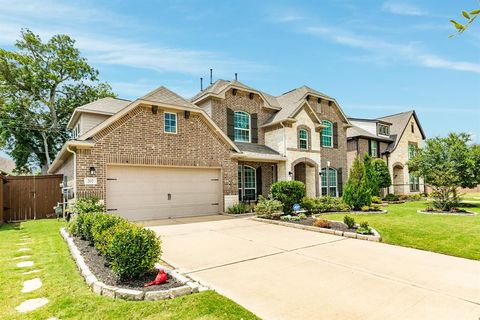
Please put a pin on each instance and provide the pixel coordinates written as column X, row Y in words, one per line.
column 74, row 172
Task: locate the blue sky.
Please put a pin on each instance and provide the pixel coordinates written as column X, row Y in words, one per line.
column 375, row 57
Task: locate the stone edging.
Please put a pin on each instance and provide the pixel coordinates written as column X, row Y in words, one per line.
column 465, row 214
column 100, row 288
column 238, row 215
column 375, row 237
column 351, row 212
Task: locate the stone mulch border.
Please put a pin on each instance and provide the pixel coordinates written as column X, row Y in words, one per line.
column 351, row 212
column 101, row 288
column 375, row 237
column 465, row 214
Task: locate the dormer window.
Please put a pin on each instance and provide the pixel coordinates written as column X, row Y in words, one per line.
column 303, row 139
column 241, row 126
column 76, row 131
column 383, row 130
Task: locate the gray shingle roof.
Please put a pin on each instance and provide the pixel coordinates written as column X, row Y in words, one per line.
column 255, row 148
column 106, row 105
column 399, row 122
column 164, row 95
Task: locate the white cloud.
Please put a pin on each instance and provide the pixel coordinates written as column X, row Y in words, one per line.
column 390, row 51
column 47, row 18
column 402, row 8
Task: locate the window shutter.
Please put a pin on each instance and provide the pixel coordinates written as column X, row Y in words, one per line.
column 230, row 120
column 254, row 129
column 335, row 135
column 369, row 147
column 378, row 149
column 340, row 182
column 259, row 181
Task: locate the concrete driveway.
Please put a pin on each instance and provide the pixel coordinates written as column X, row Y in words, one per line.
column 284, row 273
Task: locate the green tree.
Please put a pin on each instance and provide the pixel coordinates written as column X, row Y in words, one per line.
column 357, row 192
column 371, row 175
column 383, row 175
column 469, row 19
column 40, row 85
column 447, row 164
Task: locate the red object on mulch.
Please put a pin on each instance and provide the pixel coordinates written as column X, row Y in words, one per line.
column 161, row 277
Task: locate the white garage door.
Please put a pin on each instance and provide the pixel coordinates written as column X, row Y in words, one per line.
column 143, row 193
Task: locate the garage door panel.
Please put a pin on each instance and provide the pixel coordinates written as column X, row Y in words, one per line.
column 140, row 193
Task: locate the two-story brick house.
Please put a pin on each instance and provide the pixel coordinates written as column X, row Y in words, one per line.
column 164, row 156
column 393, row 138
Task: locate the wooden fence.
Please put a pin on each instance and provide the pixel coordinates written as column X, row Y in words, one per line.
column 30, row 197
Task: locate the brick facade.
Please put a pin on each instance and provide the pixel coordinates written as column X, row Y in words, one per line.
column 139, row 139
column 240, row 102
column 337, row 156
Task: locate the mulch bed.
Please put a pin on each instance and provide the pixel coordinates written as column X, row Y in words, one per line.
column 335, row 225
column 98, row 266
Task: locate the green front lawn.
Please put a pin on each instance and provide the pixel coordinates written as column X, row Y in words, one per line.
column 69, row 296
column 402, row 225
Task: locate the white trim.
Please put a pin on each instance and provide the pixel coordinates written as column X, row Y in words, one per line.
column 165, row 123
column 249, row 126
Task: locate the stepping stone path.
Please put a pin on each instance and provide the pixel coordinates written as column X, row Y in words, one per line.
column 21, row 257
column 31, row 285
column 25, row 264
column 31, row 305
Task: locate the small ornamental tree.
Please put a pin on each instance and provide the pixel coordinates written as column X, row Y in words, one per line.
column 357, row 191
column 383, row 175
column 371, row 175
column 288, row 193
column 447, row 164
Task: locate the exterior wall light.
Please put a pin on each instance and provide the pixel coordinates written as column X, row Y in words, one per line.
column 93, row 171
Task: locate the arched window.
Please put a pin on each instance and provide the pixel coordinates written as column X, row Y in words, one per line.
column 247, row 183
column 302, row 139
column 327, row 134
column 329, row 182
column 241, row 126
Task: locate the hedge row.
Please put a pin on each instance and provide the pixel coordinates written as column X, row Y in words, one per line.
column 130, row 250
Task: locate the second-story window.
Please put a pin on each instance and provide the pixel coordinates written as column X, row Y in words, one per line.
column 241, row 125
column 170, row 122
column 412, row 150
column 373, row 148
column 383, row 130
column 327, row 134
column 303, row 139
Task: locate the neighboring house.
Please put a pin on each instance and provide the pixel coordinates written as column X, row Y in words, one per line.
column 395, row 139
column 6, row 165
column 164, row 156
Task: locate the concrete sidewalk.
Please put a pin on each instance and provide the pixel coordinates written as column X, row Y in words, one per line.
column 284, row 273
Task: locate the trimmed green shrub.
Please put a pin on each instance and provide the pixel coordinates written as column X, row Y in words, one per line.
column 288, row 193
column 266, row 208
column 392, row 197
column 365, row 208
column 239, row 208
column 133, row 251
column 87, row 205
column 376, row 199
column 364, row 228
column 302, row 216
column 324, row 204
column 349, row 221
column 103, row 228
column 357, row 192
column 383, row 174
column 371, row 177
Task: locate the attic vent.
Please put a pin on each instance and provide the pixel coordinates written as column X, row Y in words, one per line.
column 250, row 96
column 234, row 92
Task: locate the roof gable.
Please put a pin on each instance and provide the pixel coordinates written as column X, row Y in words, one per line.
column 399, row 123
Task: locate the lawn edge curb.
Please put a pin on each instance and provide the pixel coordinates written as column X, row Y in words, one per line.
column 376, row 237
column 189, row 286
column 465, row 214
